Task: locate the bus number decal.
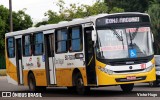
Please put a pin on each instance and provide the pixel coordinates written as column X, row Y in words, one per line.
column 60, row 61
column 69, row 57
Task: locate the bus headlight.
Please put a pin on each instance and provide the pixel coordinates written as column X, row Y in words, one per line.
column 110, row 72
column 149, row 68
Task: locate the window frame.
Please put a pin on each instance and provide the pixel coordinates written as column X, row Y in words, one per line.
column 70, row 38
column 33, row 44
column 11, row 47
column 57, row 41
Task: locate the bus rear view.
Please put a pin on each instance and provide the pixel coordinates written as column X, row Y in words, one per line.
column 124, row 50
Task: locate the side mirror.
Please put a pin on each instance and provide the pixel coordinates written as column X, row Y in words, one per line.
column 94, row 36
column 152, row 38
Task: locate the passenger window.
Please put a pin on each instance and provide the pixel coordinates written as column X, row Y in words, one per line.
column 10, row 47
column 61, row 40
column 38, row 44
column 27, row 51
column 76, row 39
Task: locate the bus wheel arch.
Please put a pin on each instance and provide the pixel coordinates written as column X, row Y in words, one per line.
column 75, row 71
column 78, row 82
column 31, row 81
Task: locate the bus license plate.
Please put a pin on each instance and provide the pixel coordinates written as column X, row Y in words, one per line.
column 131, row 78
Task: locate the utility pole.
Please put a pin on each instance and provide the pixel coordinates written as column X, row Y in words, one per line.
column 11, row 19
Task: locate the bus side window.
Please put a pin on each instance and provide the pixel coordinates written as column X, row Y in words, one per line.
column 61, row 40
column 75, row 39
column 38, row 44
column 11, row 47
column 27, row 51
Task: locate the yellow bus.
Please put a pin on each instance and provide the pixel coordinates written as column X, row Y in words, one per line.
column 100, row 50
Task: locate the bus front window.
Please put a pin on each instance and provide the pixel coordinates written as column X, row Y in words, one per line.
column 124, row 43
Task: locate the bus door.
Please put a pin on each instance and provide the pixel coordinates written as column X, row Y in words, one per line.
column 19, row 60
column 89, row 56
column 50, row 57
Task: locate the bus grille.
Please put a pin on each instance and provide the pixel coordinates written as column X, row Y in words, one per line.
column 125, row 71
column 125, row 79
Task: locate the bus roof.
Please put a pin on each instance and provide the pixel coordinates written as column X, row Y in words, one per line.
column 65, row 23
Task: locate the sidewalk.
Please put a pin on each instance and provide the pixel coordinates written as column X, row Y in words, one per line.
column 2, row 77
column 2, row 72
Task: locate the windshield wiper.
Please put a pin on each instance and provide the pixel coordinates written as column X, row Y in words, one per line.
column 120, row 37
column 134, row 34
column 115, row 33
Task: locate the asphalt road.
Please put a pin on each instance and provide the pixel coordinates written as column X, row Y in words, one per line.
column 102, row 93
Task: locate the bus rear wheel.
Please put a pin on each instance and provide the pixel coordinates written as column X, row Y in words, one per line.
column 32, row 82
column 71, row 89
column 127, row 87
column 79, row 84
column 153, row 84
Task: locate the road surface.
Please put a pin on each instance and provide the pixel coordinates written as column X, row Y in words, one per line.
column 141, row 91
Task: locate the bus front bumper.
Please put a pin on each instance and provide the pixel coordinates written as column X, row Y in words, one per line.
column 116, row 79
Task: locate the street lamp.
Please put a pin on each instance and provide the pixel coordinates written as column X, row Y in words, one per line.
column 11, row 20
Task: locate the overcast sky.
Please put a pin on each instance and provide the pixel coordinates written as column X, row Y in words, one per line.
column 37, row 8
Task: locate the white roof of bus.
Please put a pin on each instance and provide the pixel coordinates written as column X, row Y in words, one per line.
column 65, row 23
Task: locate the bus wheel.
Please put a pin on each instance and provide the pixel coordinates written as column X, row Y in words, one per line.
column 41, row 88
column 32, row 82
column 153, row 84
column 80, row 88
column 127, row 87
column 71, row 89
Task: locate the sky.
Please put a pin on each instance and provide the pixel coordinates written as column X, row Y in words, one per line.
column 37, row 8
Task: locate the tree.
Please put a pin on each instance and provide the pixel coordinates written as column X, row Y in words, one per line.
column 154, row 12
column 77, row 11
column 41, row 23
column 20, row 21
column 130, row 5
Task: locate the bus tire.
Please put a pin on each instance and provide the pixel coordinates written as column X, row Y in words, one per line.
column 72, row 89
column 32, row 82
column 79, row 85
column 41, row 88
column 153, row 84
column 127, row 87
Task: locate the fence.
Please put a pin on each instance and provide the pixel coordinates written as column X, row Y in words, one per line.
column 2, row 62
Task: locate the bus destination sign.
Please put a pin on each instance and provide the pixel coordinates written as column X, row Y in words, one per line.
column 121, row 20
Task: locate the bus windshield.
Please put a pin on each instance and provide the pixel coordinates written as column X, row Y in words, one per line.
column 124, row 43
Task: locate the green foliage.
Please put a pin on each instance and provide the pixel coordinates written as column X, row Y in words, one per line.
column 20, row 21
column 154, row 12
column 41, row 23
column 130, row 5
column 77, row 11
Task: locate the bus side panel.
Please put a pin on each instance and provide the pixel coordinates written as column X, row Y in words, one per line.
column 11, row 70
column 36, row 65
column 25, row 77
column 64, row 76
column 84, row 75
column 40, row 77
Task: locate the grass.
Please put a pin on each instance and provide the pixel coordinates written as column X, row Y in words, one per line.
column 2, row 72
